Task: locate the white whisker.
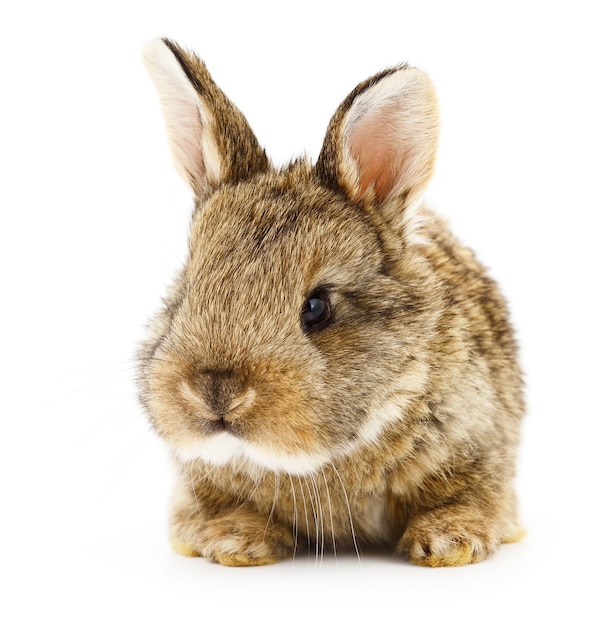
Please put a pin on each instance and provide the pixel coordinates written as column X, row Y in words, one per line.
column 129, row 406
column 306, row 515
column 258, row 481
column 194, row 493
column 315, row 516
column 295, row 517
column 331, row 516
column 127, row 462
column 274, row 501
column 319, row 517
column 348, row 510
column 242, row 490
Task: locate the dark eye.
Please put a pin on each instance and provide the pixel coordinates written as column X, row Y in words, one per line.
column 316, row 311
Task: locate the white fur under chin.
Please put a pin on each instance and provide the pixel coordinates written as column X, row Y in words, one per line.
column 226, row 449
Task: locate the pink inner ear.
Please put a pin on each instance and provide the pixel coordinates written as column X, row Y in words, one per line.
column 378, row 154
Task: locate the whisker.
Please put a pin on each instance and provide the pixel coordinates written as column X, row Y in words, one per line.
column 242, row 490
column 306, row 515
column 115, row 415
column 195, row 493
column 120, row 376
column 126, row 463
column 315, row 516
column 349, row 511
column 319, row 517
column 274, row 501
column 295, row 517
column 258, row 481
column 191, row 469
column 330, row 511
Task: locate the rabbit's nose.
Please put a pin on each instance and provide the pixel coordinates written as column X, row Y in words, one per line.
column 225, row 395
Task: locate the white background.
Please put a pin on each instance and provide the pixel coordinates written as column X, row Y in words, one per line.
column 93, row 222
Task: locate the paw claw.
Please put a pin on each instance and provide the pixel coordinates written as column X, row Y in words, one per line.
column 237, row 540
column 461, row 555
column 449, row 538
column 242, row 560
column 183, row 548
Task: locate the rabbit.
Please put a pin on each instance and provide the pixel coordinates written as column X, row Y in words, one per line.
column 331, row 370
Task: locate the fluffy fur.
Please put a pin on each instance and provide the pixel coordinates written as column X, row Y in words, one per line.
column 395, row 423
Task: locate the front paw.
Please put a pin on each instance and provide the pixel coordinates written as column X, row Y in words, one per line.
column 238, row 540
column 449, row 537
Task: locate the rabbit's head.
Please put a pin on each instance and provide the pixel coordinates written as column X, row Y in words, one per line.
column 298, row 328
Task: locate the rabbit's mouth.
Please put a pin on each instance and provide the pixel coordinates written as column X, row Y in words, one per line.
column 223, row 421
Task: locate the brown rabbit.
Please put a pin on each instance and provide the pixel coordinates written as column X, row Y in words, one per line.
column 331, row 369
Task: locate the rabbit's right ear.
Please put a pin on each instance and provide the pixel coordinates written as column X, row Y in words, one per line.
column 210, row 139
column 381, row 143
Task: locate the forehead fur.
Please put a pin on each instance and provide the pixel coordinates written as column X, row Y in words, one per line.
column 282, row 227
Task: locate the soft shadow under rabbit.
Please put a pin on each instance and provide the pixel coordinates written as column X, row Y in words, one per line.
column 331, row 369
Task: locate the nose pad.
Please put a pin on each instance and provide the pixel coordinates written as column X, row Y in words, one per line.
column 224, row 393
column 219, row 389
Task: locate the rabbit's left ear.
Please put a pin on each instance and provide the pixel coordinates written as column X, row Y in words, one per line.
column 381, row 142
column 210, row 139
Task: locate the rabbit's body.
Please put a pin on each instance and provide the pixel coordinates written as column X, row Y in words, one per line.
column 331, row 368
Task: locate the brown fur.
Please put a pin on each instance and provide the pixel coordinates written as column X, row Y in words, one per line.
column 395, row 425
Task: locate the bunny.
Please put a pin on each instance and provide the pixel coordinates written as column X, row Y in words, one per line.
column 331, row 369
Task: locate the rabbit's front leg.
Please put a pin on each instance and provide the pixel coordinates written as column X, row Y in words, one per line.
column 204, row 524
column 467, row 528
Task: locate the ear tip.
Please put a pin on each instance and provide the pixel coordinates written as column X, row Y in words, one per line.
column 403, row 77
column 417, row 81
column 153, row 50
column 415, row 73
column 156, row 43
